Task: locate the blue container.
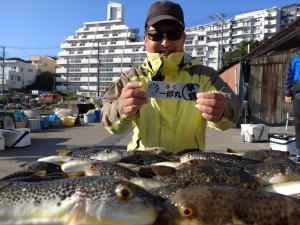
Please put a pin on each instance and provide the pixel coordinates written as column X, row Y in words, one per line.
column 89, row 118
column 97, row 115
column 45, row 123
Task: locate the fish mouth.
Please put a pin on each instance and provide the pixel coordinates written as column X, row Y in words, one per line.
column 141, row 217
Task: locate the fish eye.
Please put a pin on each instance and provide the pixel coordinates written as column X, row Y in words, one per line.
column 193, row 162
column 108, row 150
column 123, row 192
column 93, row 167
column 186, row 212
column 189, row 156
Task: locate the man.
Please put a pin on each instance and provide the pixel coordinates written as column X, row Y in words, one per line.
column 172, row 124
column 292, row 94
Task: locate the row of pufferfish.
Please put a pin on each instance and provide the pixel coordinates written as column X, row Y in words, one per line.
column 153, row 187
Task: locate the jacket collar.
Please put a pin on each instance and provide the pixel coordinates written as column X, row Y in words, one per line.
column 153, row 63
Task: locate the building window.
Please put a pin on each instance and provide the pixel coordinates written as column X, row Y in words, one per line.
column 113, row 42
column 107, row 27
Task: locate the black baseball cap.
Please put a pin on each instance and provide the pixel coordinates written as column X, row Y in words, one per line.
column 165, row 10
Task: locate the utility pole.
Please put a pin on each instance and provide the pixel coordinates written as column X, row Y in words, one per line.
column 220, row 17
column 3, row 66
column 98, row 72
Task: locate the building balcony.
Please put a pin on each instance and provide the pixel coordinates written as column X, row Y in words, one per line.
column 61, row 70
column 65, row 53
column 89, row 70
column 70, row 38
column 60, row 79
column 61, row 61
column 120, row 60
column 89, row 61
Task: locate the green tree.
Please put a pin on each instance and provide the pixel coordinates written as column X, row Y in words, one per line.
column 240, row 51
column 43, row 82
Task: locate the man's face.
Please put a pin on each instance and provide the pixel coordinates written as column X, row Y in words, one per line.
column 164, row 38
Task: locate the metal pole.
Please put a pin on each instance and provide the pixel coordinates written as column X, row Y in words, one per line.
column 3, row 65
column 98, row 73
column 220, row 17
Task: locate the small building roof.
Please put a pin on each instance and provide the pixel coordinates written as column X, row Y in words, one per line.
column 17, row 59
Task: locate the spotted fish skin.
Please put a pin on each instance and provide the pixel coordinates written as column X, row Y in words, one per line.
column 93, row 198
column 210, row 174
column 142, row 158
column 217, row 205
column 43, row 166
column 108, row 169
column 166, row 191
column 275, row 171
column 264, row 155
column 232, row 160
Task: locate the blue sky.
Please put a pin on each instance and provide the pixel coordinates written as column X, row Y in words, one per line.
column 39, row 26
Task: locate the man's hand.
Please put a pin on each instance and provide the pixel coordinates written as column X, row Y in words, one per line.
column 132, row 99
column 212, row 105
column 288, row 99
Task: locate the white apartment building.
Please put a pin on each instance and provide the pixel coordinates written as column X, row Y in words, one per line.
column 289, row 13
column 18, row 74
column 256, row 25
column 118, row 48
column 99, row 51
column 97, row 54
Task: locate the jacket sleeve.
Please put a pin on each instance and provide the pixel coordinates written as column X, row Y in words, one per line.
column 288, row 79
column 113, row 117
column 233, row 109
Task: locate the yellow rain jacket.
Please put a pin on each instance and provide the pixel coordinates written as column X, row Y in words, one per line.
column 172, row 124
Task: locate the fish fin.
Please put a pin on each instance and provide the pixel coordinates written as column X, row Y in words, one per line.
column 163, row 170
column 279, row 179
column 77, row 214
column 233, row 152
column 237, row 221
column 59, row 162
column 76, row 174
column 5, row 184
column 24, row 166
column 41, row 173
column 63, row 151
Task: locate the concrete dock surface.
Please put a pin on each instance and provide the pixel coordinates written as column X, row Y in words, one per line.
column 47, row 141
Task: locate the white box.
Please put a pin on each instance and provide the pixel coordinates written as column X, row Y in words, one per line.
column 283, row 142
column 254, row 132
column 19, row 137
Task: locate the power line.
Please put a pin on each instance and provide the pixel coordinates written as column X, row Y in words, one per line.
column 32, row 48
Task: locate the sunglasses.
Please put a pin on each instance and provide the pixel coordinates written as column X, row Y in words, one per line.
column 171, row 35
